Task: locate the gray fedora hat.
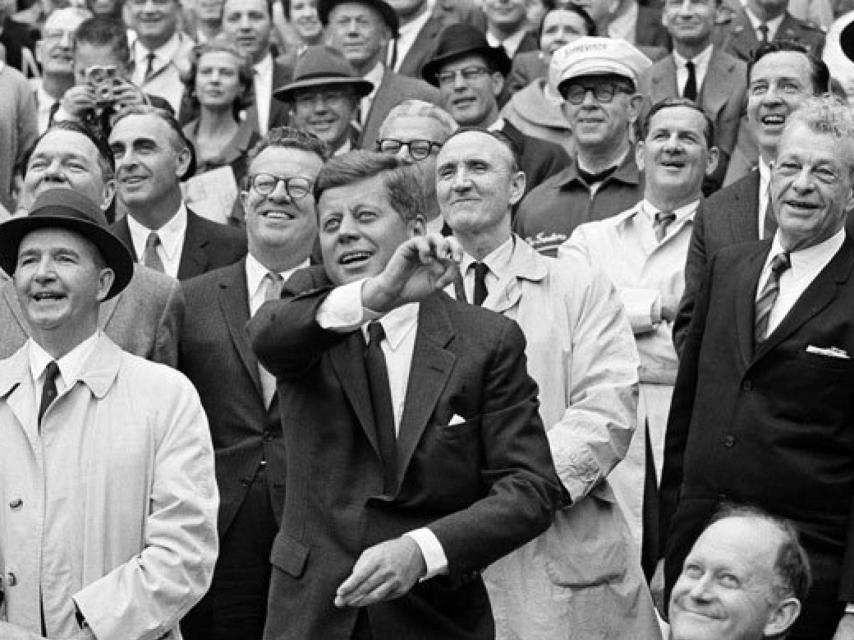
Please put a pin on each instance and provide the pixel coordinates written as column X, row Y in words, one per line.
column 389, row 15
column 320, row 66
column 67, row 209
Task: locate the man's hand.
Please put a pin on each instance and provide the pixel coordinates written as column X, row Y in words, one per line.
column 126, row 94
column 845, row 628
column 383, row 572
column 669, row 307
column 78, row 100
column 418, row 267
column 14, row 632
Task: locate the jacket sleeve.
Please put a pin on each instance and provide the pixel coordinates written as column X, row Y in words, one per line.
column 594, row 432
column 165, row 350
column 146, row 597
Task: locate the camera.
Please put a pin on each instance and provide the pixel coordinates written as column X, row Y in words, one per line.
column 104, row 81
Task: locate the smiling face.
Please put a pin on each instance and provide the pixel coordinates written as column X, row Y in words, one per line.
column 359, row 32
column 60, row 281
column 304, row 19
column 209, row 10
column 326, row 111
column 66, row 159
column 359, row 229
column 155, row 21
column 472, row 103
column 476, row 186
column 560, row 27
column 55, row 49
column 690, row 21
column 601, row 125
column 248, row 24
column 218, row 80
column 811, row 188
column 276, row 222
column 724, row 590
column 779, row 83
column 505, row 15
column 148, row 164
column 674, row 156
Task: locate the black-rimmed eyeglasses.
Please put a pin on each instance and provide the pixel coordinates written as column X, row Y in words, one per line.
column 265, row 183
column 418, row 149
column 604, row 92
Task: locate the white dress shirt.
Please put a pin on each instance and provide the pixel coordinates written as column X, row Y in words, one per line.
column 497, row 261
column 171, row 239
column 342, row 311
column 262, row 80
column 806, row 264
column 510, row 44
column 44, row 103
column 764, row 194
column 165, row 80
column 69, row 366
column 407, row 33
column 701, row 65
column 375, row 77
column 755, row 22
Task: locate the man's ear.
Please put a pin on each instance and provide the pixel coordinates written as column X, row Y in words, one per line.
column 639, row 160
column 497, row 81
column 782, row 617
column 517, row 186
column 712, row 160
column 635, row 103
column 105, row 281
column 108, row 193
column 182, row 162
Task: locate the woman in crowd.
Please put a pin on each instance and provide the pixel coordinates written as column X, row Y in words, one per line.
column 302, row 16
column 535, row 109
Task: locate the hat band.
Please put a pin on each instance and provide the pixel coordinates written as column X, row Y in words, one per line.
column 326, row 74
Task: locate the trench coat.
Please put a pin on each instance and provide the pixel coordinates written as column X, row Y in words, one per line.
column 111, row 506
column 581, row 579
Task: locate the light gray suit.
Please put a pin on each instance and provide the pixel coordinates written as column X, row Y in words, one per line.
column 143, row 319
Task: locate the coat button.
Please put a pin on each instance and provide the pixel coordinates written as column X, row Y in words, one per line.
column 16, row 504
column 11, row 579
column 729, row 441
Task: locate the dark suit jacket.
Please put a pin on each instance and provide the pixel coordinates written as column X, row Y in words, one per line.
column 143, row 319
column 207, row 245
column 18, row 43
column 738, row 38
column 483, row 486
column 649, row 32
column 729, row 216
column 771, row 425
column 422, row 49
column 393, row 90
column 538, row 158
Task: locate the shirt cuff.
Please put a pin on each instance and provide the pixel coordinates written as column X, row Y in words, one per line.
column 643, row 306
column 342, row 311
column 431, row 550
column 849, row 608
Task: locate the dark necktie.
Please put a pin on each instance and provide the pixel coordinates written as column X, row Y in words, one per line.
column 150, row 257
column 765, row 301
column 690, row 91
column 49, row 388
column 662, row 221
column 480, row 292
column 149, row 67
column 381, row 401
column 763, row 32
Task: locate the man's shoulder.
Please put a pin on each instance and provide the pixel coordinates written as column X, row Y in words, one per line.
column 200, row 289
column 747, row 185
column 215, row 230
column 472, row 321
column 403, row 87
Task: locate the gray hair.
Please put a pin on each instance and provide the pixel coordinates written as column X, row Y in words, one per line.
column 419, row 108
column 827, row 115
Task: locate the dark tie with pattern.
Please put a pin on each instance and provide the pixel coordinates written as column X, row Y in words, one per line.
column 149, row 67
column 662, row 221
column 690, row 91
column 763, row 32
column 765, row 301
column 49, row 388
column 381, row 401
column 150, row 257
column 273, row 283
column 480, row 292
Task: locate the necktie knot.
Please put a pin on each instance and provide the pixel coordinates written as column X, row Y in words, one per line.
column 690, row 89
column 49, row 388
column 480, row 291
column 376, row 333
column 51, row 371
column 274, row 284
column 149, row 66
column 780, row 263
column 663, row 219
column 763, row 32
column 150, row 257
column 689, row 65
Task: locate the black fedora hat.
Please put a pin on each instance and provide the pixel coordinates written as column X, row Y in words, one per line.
column 68, row 209
column 324, row 7
column 461, row 39
column 320, row 66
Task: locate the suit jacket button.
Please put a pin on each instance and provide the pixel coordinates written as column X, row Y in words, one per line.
column 729, row 441
column 16, row 504
column 11, row 579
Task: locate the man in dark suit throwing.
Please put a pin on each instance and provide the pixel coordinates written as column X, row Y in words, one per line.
column 414, row 462
column 762, row 409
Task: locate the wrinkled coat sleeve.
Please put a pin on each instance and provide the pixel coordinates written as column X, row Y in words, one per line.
column 168, row 326
column 602, row 379
column 146, row 597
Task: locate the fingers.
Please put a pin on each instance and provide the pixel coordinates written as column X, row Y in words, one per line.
column 364, row 579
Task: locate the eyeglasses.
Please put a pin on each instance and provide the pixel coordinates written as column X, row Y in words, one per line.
column 308, row 98
column 156, row 3
column 418, row 149
column 468, row 74
column 603, row 92
column 296, row 188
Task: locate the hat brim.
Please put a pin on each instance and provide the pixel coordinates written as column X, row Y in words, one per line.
column 114, row 252
column 324, row 8
column 495, row 55
column 286, row 92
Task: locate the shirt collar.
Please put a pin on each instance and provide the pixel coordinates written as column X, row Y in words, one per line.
column 772, row 24
column 264, row 67
column 375, row 77
column 700, row 60
column 166, row 52
column 171, row 234
column 497, row 260
column 802, row 259
column 510, row 44
column 415, row 25
column 682, row 213
column 256, row 272
column 70, row 365
column 498, row 125
column 397, row 324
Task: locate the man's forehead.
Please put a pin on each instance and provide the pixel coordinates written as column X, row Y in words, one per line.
column 245, row 6
column 68, row 18
column 287, row 160
column 140, row 127
column 412, row 127
column 61, row 142
column 462, row 62
column 52, row 239
column 782, row 64
column 354, row 9
column 678, row 118
column 747, row 544
column 471, row 145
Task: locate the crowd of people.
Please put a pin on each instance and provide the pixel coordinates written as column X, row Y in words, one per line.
column 427, row 319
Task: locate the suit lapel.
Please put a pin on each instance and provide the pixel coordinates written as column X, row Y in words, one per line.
column 745, row 301
column 820, row 293
column 747, row 201
column 431, row 366
column 348, row 361
column 743, row 38
column 715, row 90
column 194, row 260
column 234, row 303
column 664, row 80
column 122, row 232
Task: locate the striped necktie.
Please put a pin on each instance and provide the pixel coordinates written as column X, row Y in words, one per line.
column 765, row 301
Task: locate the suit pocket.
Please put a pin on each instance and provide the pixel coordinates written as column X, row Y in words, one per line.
column 289, row 555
